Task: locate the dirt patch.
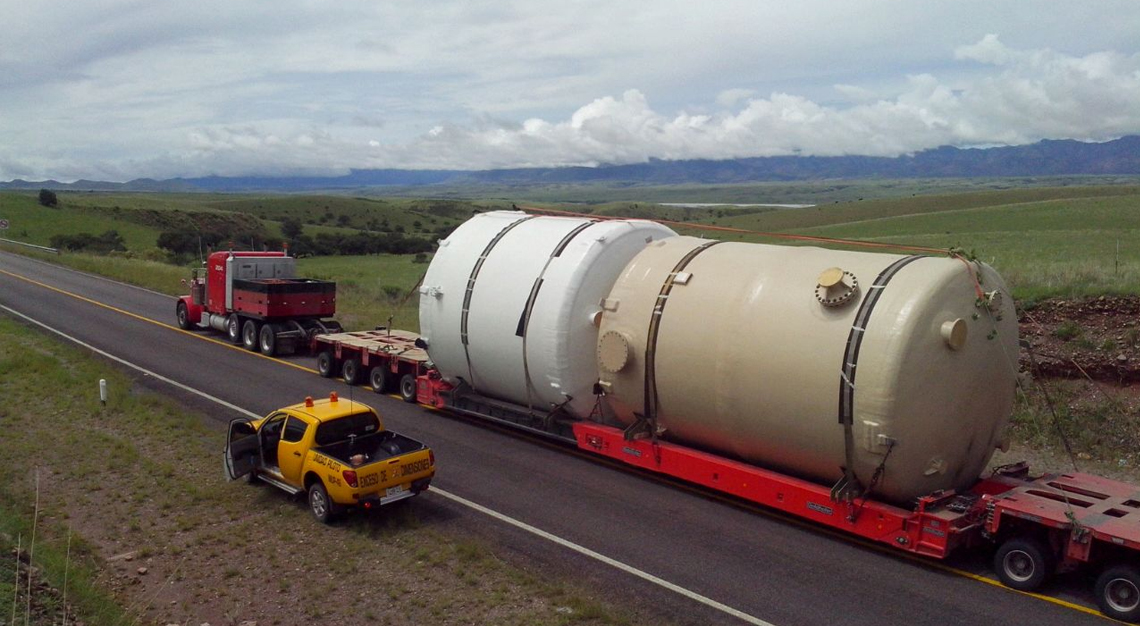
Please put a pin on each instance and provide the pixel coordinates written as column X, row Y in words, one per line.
column 1097, row 338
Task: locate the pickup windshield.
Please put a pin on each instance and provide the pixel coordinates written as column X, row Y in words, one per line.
column 357, row 424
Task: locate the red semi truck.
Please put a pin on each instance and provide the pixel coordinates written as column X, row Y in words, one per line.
column 1040, row 525
column 255, row 298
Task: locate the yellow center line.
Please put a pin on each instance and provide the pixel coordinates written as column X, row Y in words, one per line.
column 157, row 323
column 754, row 508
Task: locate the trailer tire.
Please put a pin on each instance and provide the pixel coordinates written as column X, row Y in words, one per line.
column 325, row 363
column 351, row 371
column 182, row 314
column 233, row 328
column 1024, row 563
column 320, row 505
column 408, row 388
column 1118, row 592
column 267, row 340
column 378, row 378
column 249, row 335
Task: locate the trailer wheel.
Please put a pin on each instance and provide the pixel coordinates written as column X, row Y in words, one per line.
column 408, row 388
column 1023, row 563
column 1118, row 592
column 351, row 371
column 249, row 337
column 233, row 328
column 268, row 340
column 183, row 315
column 320, row 504
column 378, row 378
column 325, row 364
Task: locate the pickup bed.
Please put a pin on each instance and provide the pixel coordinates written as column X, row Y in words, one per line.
column 336, row 452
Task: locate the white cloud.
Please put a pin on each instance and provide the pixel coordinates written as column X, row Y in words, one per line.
column 132, row 89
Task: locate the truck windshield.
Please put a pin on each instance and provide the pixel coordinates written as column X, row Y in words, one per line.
column 359, row 424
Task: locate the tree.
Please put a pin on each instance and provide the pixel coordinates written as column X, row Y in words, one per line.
column 47, row 198
column 291, row 227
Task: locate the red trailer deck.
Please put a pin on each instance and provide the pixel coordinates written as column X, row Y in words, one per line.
column 390, row 358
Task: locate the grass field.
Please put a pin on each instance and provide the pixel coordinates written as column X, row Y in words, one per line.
column 141, row 477
column 1045, row 240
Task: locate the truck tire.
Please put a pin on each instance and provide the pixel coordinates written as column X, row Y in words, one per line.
column 1118, row 592
column 319, row 503
column 233, row 328
column 182, row 314
column 378, row 378
column 325, row 364
column 249, row 332
column 1024, row 563
column 351, row 371
column 408, row 388
column 267, row 340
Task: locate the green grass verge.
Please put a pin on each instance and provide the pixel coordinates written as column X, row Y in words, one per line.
column 143, row 475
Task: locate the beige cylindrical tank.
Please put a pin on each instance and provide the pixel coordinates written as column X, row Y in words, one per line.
column 765, row 352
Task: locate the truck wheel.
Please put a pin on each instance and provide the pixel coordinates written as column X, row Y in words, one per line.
column 320, row 504
column 351, row 371
column 183, row 315
column 268, row 340
column 325, row 364
column 1118, row 592
column 249, row 332
column 408, row 388
column 1023, row 563
column 233, row 328
column 378, row 378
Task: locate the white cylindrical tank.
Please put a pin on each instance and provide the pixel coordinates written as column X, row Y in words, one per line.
column 509, row 303
column 766, row 352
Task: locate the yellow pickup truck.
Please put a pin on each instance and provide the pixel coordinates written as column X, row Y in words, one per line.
column 336, row 451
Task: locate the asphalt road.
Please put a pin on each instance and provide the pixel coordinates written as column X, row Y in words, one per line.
column 773, row 568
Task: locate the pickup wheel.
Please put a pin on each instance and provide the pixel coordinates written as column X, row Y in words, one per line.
column 1118, row 592
column 183, row 315
column 1023, row 563
column 325, row 363
column 378, row 378
column 408, row 388
column 233, row 328
column 267, row 339
column 320, row 504
column 249, row 332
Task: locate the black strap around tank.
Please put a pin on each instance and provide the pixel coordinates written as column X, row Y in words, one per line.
column 851, row 359
column 471, row 289
column 655, row 326
column 524, row 318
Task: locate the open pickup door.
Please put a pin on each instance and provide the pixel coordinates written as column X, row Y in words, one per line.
column 242, row 449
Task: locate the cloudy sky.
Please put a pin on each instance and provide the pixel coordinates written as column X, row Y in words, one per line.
column 121, row 89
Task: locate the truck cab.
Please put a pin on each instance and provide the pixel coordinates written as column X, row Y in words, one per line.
column 337, row 452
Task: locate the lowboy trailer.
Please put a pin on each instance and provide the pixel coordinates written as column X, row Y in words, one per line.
column 1040, row 525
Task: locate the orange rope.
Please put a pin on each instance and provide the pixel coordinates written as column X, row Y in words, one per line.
column 831, row 240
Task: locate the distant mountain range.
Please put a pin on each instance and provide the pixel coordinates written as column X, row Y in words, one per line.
column 1044, row 158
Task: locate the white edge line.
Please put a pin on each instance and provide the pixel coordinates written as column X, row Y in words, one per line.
column 629, row 569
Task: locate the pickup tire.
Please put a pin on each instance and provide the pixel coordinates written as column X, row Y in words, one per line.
column 408, row 388
column 320, row 504
column 378, row 378
column 351, row 371
column 249, row 332
column 1024, row 563
column 325, row 364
